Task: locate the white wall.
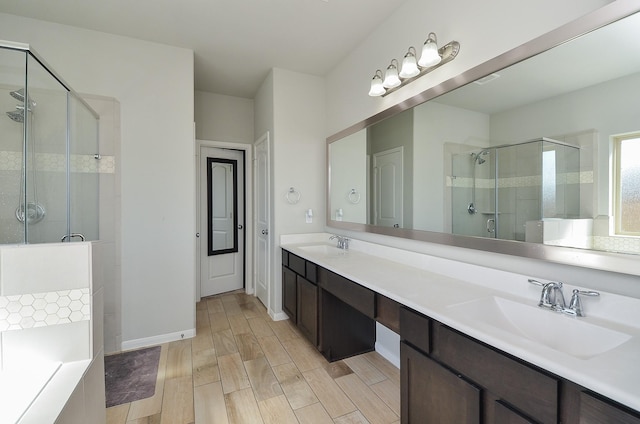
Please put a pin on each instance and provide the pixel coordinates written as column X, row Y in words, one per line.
column 484, row 30
column 154, row 85
column 223, row 118
column 290, row 106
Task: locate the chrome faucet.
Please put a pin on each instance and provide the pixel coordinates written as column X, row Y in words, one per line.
column 552, row 298
column 343, row 242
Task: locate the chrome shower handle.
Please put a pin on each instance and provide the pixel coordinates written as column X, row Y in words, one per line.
column 68, row 236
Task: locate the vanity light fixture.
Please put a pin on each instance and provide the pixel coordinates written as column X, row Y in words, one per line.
column 412, row 68
column 409, row 65
column 391, row 78
column 376, row 85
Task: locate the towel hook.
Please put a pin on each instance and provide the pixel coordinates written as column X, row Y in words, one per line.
column 292, row 196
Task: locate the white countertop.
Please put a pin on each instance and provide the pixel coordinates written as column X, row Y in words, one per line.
column 433, row 286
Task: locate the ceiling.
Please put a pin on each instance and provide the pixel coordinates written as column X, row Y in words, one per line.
column 235, row 42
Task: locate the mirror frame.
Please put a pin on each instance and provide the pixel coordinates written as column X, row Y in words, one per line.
column 602, row 260
column 234, row 175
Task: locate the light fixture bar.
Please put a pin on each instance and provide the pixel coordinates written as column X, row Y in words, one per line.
column 448, row 52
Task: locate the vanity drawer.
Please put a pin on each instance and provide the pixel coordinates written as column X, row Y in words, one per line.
column 311, row 272
column 529, row 390
column 388, row 312
column 358, row 297
column 415, row 329
column 297, row 264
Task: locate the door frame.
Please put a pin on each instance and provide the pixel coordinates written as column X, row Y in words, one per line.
column 266, row 137
column 249, row 225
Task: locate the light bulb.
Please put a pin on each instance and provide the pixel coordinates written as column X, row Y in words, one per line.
column 376, row 85
column 409, row 66
column 430, row 55
column 391, row 78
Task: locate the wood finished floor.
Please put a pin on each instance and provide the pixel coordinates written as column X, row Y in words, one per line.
column 242, row 367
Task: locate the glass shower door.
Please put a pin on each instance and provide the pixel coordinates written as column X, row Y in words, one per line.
column 45, row 178
column 83, row 172
column 519, row 180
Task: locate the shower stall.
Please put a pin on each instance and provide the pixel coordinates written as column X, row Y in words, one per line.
column 49, row 157
column 499, row 192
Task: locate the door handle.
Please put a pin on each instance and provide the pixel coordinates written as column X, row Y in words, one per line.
column 240, row 226
column 70, row 236
column 197, row 235
column 265, row 232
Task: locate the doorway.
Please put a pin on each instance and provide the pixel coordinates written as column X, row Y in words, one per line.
column 388, row 189
column 221, row 220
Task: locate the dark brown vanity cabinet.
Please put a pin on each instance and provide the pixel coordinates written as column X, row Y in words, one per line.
column 432, row 393
column 300, row 294
column 308, row 309
column 595, row 410
column 449, row 377
column 446, row 376
column 347, row 312
column 334, row 313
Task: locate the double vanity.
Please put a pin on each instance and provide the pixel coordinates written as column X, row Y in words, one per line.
column 474, row 345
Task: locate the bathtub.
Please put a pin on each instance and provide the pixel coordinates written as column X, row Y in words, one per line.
column 20, row 386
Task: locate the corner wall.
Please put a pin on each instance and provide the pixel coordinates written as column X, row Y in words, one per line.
column 154, row 85
column 290, row 105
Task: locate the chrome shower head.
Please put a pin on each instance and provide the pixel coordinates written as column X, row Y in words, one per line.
column 16, row 115
column 477, row 157
column 19, row 95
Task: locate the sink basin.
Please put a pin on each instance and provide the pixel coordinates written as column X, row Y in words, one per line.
column 323, row 249
column 562, row 333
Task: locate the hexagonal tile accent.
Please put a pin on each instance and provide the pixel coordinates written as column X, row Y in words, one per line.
column 26, row 299
column 39, row 309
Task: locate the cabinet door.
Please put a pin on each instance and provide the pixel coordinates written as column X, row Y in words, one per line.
column 597, row 411
column 308, row 309
column 431, row 393
column 289, row 290
column 505, row 415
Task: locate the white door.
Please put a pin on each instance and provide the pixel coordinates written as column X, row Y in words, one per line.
column 221, row 220
column 388, row 188
column 262, row 206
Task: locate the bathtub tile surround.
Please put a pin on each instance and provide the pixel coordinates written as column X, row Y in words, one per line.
column 51, row 365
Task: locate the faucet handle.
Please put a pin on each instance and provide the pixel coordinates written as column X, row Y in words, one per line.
column 536, row 282
column 576, row 304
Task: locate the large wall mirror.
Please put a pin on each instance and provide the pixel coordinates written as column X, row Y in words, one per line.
column 535, row 153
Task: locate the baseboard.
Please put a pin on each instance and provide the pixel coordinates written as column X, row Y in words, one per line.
column 387, row 354
column 388, row 344
column 160, row 339
column 278, row 316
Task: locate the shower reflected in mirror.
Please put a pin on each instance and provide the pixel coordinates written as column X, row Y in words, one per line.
column 477, row 160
